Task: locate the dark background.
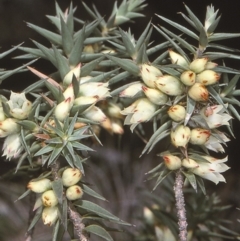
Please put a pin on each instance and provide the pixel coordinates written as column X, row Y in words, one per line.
column 13, row 30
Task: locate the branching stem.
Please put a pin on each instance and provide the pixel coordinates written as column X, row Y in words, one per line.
column 180, row 206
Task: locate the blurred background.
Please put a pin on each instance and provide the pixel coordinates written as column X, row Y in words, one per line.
column 117, row 170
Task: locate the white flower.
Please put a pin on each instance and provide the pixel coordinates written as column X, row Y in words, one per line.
column 94, row 89
column 213, row 142
column 149, row 74
column 95, row 114
column 19, row 106
column 12, row 146
column 68, row 77
column 140, row 111
column 62, row 109
column 211, row 170
column 180, row 136
column 215, row 116
column 178, row 59
column 131, row 90
column 50, row 215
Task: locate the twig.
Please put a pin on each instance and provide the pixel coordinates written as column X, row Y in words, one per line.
column 180, row 205
column 77, row 223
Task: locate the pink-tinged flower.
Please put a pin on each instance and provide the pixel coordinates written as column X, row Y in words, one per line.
column 149, row 74
column 12, row 146
column 95, row 114
column 198, row 92
column 208, row 77
column 68, row 77
column 132, row 90
column 178, row 59
column 19, row 106
column 188, row 77
column 62, row 109
column 94, row 89
column 85, row 100
column 155, row 96
column 215, row 116
column 214, row 143
column 177, row 113
column 198, row 65
column 117, row 127
column 180, row 136
column 50, row 215
column 140, row 111
column 199, row 136
column 169, row 85
column 211, row 170
column 172, row 162
column 8, row 126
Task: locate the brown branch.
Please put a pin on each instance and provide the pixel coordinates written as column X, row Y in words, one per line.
column 77, row 223
column 180, row 206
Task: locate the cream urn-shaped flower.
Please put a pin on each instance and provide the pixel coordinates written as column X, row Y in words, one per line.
column 19, row 106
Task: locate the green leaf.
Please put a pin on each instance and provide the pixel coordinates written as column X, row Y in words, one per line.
column 99, row 231
column 190, row 108
column 94, row 208
column 44, row 150
column 142, row 38
column 213, row 26
column 119, row 77
column 92, row 193
column 184, row 43
column 231, row 86
column 75, row 55
column 156, row 134
column 126, row 64
column 57, row 187
column 127, row 43
column 87, row 68
column 180, row 27
column 191, row 178
column 55, row 231
column 67, row 38
column 78, row 162
column 193, row 17
column 37, row 216
column 163, row 174
column 203, row 39
column 234, row 111
column 62, row 63
column 24, row 195
column 52, row 37
column 3, row 54
column 201, row 184
column 55, row 154
column 221, row 36
column 155, row 169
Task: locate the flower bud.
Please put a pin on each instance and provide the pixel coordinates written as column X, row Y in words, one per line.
column 9, row 126
column 172, row 162
column 208, row 77
column 85, row 100
column 131, row 90
column 69, row 93
column 40, row 185
column 74, row 192
column 95, row 89
column 71, row 176
column 188, row 77
column 155, row 96
column 62, row 110
column 211, row 65
column 95, row 114
column 49, row 198
column 199, row 136
column 49, row 215
column 117, row 127
column 180, row 136
column 2, row 114
column 149, row 74
column 189, row 163
column 177, row 113
column 19, row 106
column 177, row 59
column 198, row 92
column 12, row 146
column 169, row 85
column 67, row 80
column 198, row 65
